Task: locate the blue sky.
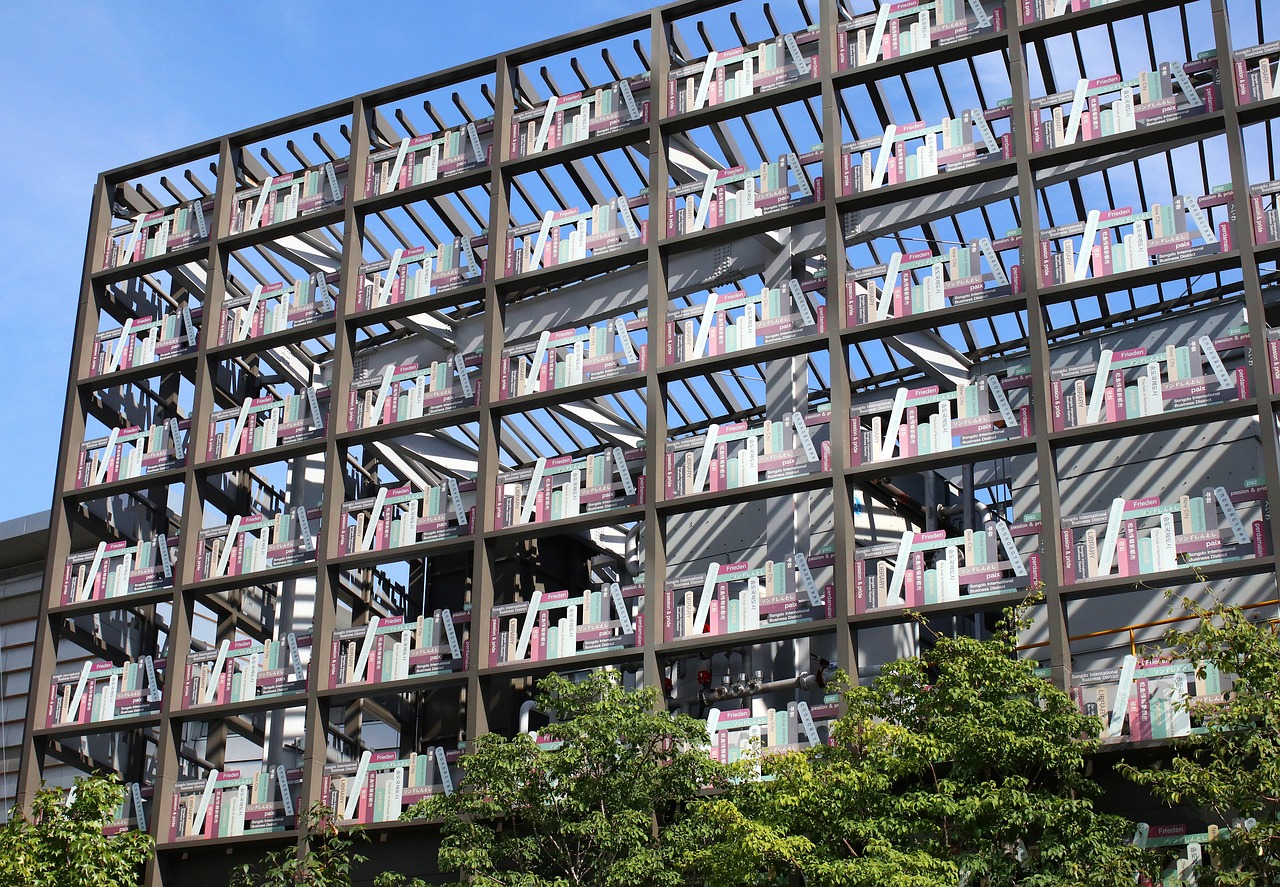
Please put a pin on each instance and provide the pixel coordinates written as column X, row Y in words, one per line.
column 92, row 86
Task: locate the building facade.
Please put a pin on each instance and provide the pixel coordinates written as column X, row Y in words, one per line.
column 702, row 345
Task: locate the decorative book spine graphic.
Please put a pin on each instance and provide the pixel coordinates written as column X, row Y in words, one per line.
column 559, row 624
column 256, row 542
column 562, row 358
column 566, row 486
column 898, row 29
column 413, row 390
column 245, row 670
column 1180, row 231
column 231, row 803
column 1264, row 215
column 145, row 340
column 568, row 235
column 262, row 423
column 133, row 452
column 739, row 193
column 737, row 455
column 398, row 516
column 1041, row 10
column 1107, row 106
column 394, row 649
column 577, row 117
column 158, row 233
column 919, row 282
column 932, row 568
column 739, row 734
column 912, row 151
column 102, row 691
column 1139, row 536
column 382, row 785
column 743, row 71
column 278, row 306
column 419, row 271
column 1256, row 71
column 923, row 421
column 738, row 321
column 428, row 158
column 134, row 811
column 1133, row 383
column 734, row 597
column 116, row 569
column 289, row 196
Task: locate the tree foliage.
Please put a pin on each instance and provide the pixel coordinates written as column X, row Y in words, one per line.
column 600, row 802
column 61, row 844
column 1233, row 767
column 958, row 766
column 326, row 859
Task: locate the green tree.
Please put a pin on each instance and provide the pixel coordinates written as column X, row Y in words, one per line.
column 61, row 844
column 1233, row 768
column 599, row 803
column 326, row 858
column 961, row 765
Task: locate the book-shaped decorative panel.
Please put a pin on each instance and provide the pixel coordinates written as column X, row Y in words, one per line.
column 278, row 306
column 932, row 568
column 254, row 542
column 898, row 29
column 1263, row 212
column 741, row 596
column 923, row 281
column 1273, row 359
column 1137, row 536
column 118, row 569
column 413, row 390
column 579, row 116
column 738, row 321
column 389, row 648
column 1042, row 10
column 922, row 421
column 133, row 452
column 741, row 454
column 1147, row 699
column 566, row 486
column 414, row 273
column 911, row 151
column 244, row 670
column 133, row 813
column 1107, row 106
column 231, row 803
column 102, row 691
column 289, row 196
column 144, row 340
column 1113, row 241
column 1256, row 70
column 738, row 734
column 261, row 423
column 561, row 624
column 571, row 234
column 429, row 158
column 740, row 193
column 1132, row 383
column 562, row 358
column 382, row 785
column 160, row 232
column 399, row 516
column 744, row 71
